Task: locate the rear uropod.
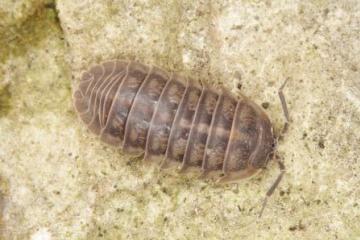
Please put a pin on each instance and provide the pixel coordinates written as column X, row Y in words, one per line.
column 166, row 116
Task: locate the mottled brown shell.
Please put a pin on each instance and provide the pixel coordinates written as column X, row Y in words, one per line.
column 146, row 109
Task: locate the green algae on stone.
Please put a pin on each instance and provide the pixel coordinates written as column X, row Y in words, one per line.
column 27, row 87
column 15, row 13
column 5, row 100
column 16, row 39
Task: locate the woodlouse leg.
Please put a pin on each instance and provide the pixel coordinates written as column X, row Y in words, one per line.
column 182, row 168
column 163, row 163
column 284, row 106
column 273, row 186
column 203, row 174
column 236, row 176
column 166, row 163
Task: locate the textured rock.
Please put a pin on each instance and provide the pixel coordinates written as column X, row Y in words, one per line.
column 14, row 13
column 59, row 182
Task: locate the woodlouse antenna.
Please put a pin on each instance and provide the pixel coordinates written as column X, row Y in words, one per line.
column 284, row 107
column 281, row 164
column 273, row 186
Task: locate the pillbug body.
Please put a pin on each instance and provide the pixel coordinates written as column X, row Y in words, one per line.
column 166, row 116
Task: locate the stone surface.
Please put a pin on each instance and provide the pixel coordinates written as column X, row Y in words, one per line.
column 14, row 13
column 58, row 181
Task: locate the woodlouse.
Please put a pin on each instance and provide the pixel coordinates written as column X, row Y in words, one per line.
column 146, row 109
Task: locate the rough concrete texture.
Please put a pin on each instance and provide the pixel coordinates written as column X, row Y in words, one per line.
column 58, row 181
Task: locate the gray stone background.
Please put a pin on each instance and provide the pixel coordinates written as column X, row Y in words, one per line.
column 58, row 181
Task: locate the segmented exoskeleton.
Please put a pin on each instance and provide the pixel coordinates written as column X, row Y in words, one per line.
column 145, row 109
